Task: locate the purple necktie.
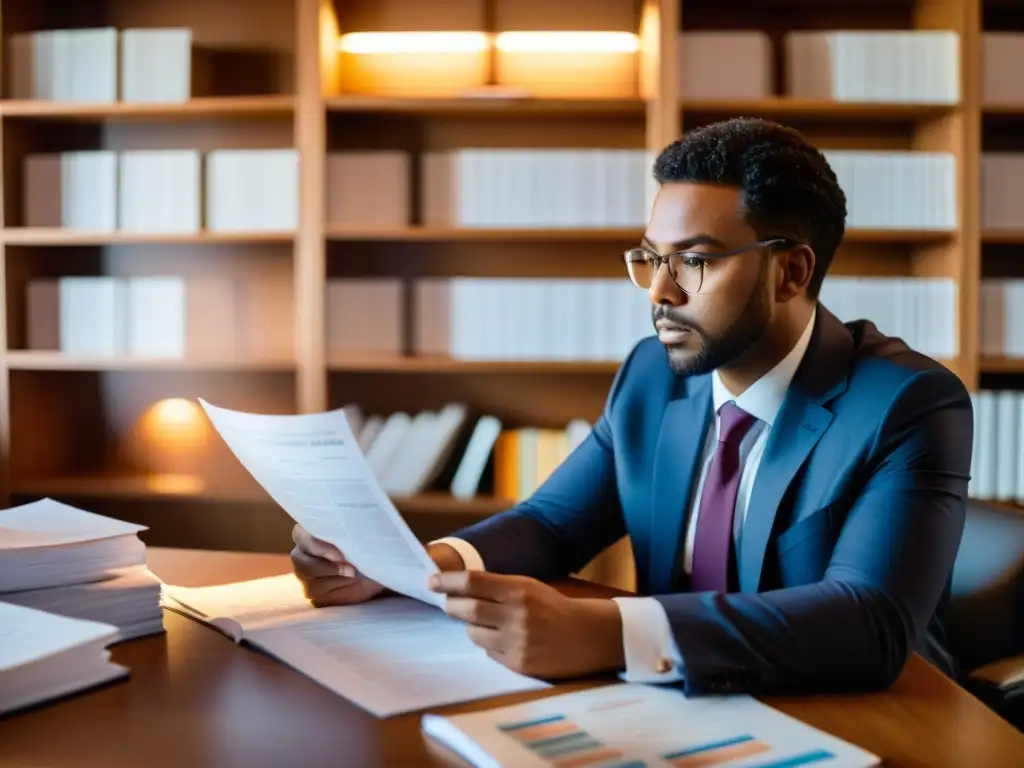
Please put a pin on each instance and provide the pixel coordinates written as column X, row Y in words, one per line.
column 713, row 541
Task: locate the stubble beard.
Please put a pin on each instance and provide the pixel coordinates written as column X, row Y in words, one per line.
column 718, row 351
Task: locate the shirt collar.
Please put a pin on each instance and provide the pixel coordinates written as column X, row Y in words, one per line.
column 764, row 397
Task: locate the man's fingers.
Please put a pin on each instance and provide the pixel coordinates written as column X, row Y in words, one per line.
column 483, row 613
column 319, row 589
column 499, row 588
column 305, row 541
column 486, row 638
column 308, row 566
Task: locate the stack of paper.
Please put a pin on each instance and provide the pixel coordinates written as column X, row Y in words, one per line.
column 390, row 655
column 67, row 561
column 44, row 656
column 639, row 725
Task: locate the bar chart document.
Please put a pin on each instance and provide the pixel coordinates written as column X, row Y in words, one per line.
column 639, row 726
column 311, row 465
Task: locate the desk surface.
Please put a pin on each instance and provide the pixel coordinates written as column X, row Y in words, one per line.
column 195, row 699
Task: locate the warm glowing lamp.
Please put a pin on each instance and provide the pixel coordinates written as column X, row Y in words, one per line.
column 413, row 64
column 570, row 64
column 174, row 432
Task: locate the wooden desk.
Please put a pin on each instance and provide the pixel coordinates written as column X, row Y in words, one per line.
column 195, row 699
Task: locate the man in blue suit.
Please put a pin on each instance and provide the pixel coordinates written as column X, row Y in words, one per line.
column 793, row 487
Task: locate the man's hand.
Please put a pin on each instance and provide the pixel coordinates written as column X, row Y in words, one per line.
column 531, row 627
column 329, row 579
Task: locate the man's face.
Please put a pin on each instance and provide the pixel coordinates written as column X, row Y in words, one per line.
column 732, row 309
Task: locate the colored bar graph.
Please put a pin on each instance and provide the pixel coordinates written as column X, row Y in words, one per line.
column 716, row 752
column 560, row 741
column 814, row 756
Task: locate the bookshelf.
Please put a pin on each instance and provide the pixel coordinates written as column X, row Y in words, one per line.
column 278, row 75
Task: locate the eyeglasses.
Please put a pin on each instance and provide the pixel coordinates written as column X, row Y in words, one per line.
column 686, row 268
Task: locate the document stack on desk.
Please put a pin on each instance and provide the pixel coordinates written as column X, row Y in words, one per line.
column 44, row 656
column 57, row 558
column 389, row 655
column 638, row 726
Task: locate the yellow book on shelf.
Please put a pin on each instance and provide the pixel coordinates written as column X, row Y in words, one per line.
column 506, row 465
column 527, row 463
column 549, row 452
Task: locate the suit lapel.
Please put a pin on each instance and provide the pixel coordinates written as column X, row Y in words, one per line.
column 799, row 426
column 680, row 443
column 801, row 422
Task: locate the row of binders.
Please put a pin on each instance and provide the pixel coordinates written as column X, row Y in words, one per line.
column 465, row 318
column 523, row 188
column 183, row 191
column 1002, row 186
column 919, row 66
column 102, row 65
column 1002, row 317
column 510, row 319
column 920, row 310
column 409, row 453
column 997, row 464
column 896, row 189
column 179, row 191
column 163, row 316
column 72, row 583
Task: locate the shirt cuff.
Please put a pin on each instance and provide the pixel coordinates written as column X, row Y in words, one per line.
column 470, row 557
column 652, row 655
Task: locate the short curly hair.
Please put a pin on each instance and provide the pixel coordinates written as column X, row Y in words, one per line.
column 788, row 188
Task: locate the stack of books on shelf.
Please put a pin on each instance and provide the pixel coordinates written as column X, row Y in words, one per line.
column 501, row 188
column 828, row 65
column 601, row 319
column 997, row 461
column 163, row 316
column 104, row 65
column 67, row 561
column 409, row 453
column 919, row 310
column 1002, row 53
column 164, row 191
column 1002, row 317
column 1002, row 184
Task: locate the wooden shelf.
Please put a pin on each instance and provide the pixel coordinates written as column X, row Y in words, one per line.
column 448, row 365
column 33, row 360
column 594, row 234
column 240, row 107
column 58, row 236
column 145, row 488
column 503, row 107
column 899, row 236
column 1019, row 508
column 783, row 107
column 466, row 234
column 1002, row 110
column 27, row 236
column 997, row 364
column 1003, row 237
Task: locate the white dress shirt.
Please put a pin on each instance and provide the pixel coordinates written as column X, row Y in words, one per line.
column 652, row 655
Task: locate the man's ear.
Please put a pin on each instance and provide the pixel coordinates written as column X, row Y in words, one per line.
column 795, row 268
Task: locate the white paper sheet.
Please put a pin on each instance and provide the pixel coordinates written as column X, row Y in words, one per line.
column 44, row 656
column 28, row 635
column 248, row 603
column 390, row 656
column 641, row 725
column 311, row 465
column 49, row 523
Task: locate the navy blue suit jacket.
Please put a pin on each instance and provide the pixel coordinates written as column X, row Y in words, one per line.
column 854, row 521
